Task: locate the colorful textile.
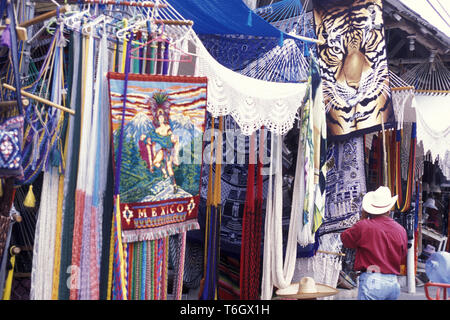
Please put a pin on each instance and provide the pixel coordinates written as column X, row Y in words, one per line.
column 345, row 185
column 234, row 178
column 250, row 263
column 70, row 176
column 4, row 229
column 49, row 222
column 404, row 199
column 320, row 145
column 162, row 200
column 209, row 285
column 91, row 174
column 313, row 135
column 11, row 133
column 42, row 124
column 354, row 66
column 305, row 234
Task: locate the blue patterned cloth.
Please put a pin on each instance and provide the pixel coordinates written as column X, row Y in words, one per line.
column 345, row 185
column 11, row 133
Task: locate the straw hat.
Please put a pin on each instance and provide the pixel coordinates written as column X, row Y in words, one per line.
column 307, row 288
column 379, row 201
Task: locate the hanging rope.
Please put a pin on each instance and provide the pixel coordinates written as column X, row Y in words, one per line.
column 15, row 54
column 250, row 269
column 277, row 271
column 213, row 221
column 121, row 284
column 246, row 263
column 432, row 78
column 404, row 203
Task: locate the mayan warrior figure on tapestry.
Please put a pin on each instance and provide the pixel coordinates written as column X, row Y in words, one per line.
column 161, row 158
column 353, row 65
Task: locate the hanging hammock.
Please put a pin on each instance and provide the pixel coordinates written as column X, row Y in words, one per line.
column 432, row 96
column 253, row 103
column 281, row 64
column 396, row 83
column 431, row 79
column 289, row 16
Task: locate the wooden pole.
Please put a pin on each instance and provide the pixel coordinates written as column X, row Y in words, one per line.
column 44, row 17
column 174, row 22
column 316, row 41
column 402, row 88
column 13, row 103
column 39, row 99
column 332, row 253
column 21, row 31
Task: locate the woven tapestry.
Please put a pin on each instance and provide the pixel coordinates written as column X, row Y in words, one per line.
column 345, row 185
column 354, row 66
column 161, row 152
column 11, row 136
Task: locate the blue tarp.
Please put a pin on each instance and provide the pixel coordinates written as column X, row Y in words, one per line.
column 224, row 17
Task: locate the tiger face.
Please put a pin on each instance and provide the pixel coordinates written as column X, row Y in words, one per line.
column 353, row 64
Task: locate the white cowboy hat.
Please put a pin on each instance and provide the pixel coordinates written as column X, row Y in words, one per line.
column 379, row 201
column 430, row 203
column 307, row 288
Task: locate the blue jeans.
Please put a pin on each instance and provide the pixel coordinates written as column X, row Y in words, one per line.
column 378, row 286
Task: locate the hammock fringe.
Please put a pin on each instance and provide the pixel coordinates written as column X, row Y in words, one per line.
column 158, row 233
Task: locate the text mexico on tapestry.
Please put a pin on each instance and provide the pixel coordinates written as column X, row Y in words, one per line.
column 161, row 155
column 353, row 66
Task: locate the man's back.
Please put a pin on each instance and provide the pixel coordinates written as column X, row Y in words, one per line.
column 380, row 243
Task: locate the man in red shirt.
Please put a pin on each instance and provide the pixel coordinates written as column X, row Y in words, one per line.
column 381, row 246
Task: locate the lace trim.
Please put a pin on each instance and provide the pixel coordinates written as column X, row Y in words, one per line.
column 253, row 103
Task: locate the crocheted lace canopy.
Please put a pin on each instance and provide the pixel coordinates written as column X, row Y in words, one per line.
column 253, row 103
column 251, row 100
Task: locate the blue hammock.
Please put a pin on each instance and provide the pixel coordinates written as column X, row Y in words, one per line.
column 224, row 17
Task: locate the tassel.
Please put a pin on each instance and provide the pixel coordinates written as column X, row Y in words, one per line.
column 249, row 20
column 55, row 157
column 30, row 200
column 281, row 39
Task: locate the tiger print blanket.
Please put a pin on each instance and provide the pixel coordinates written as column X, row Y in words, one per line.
column 354, row 66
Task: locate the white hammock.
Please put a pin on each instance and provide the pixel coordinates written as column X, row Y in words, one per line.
column 253, row 103
column 276, row 272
